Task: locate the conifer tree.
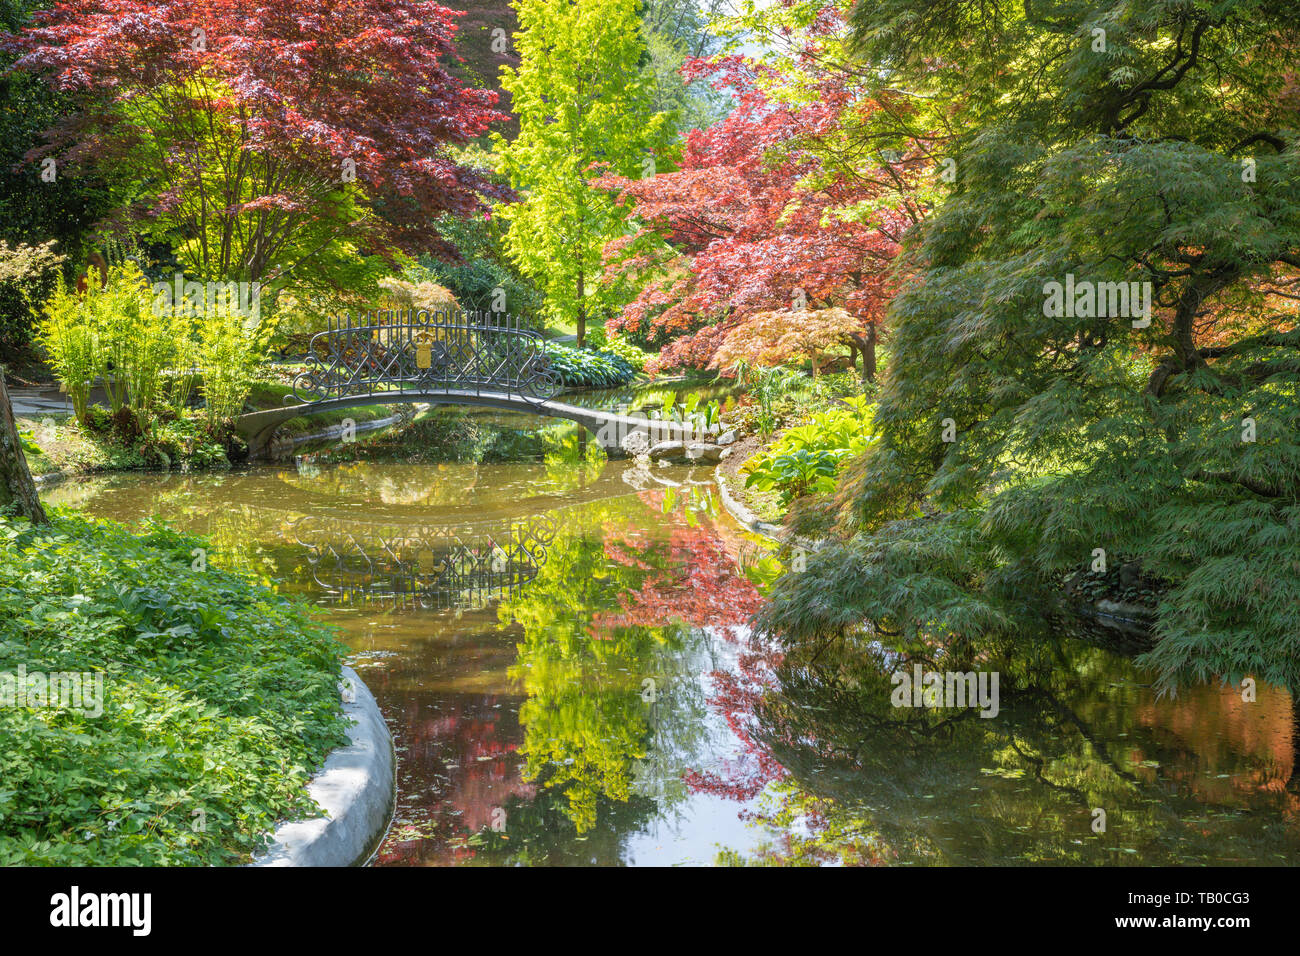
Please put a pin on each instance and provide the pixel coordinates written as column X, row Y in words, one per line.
column 584, row 108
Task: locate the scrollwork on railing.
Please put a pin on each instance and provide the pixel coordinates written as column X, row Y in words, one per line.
column 422, row 565
column 418, row 352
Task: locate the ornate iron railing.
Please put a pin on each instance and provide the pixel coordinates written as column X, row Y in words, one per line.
column 422, row 565
column 418, row 351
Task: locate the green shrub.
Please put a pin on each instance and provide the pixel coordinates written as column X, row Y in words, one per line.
column 27, row 276
column 483, row 279
column 767, row 386
column 111, row 332
column 629, row 353
column 797, row 473
column 147, row 357
column 28, row 442
column 806, row 460
column 183, row 441
column 72, row 346
column 586, row 368
column 227, row 363
column 220, row 700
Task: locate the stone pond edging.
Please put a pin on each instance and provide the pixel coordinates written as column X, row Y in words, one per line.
column 740, row 512
column 357, row 789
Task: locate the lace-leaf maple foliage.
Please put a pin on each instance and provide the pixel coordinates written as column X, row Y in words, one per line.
column 1157, row 146
column 774, row 208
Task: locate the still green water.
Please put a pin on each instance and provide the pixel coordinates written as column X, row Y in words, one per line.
column 559, row 646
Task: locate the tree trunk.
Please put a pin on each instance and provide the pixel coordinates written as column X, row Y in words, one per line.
column 582, row 311
column 867, row 345
column 1293, row 784
column 869, row 356
column 16, row 485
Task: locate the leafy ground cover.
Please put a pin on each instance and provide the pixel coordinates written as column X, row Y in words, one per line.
column 808, row 459
column 219, row 699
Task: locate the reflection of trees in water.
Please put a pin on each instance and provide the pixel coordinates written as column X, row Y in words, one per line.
column 446, row 483
column 1077, row 730
column 456, row 440
column 461, row 750
column 612, row 611
column 613, row 640
column 598, row 752
column 424, row 565
column 590, row 724
column 571, row 459
column 540, row 829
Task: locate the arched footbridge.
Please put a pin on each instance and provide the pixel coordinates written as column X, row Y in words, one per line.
column 470, row 359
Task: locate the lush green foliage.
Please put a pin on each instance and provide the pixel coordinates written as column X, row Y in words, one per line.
column 808, row 458
column 220, row 699
column 148, row 357
column 38, row 204
column 766, row 386
column 582, row 100
column 27, row 277
column 1016, row 441
column 587, row 368
column 625, row 350
column 110, row 333
column 675, row 32
column 795, row 473
column 482, row 278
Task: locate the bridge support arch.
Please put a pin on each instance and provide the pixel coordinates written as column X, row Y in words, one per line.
column 619, row 434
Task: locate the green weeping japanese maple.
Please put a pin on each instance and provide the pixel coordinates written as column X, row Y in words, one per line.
column 1032, row 419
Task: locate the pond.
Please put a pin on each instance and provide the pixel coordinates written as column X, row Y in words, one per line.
column 559, row 646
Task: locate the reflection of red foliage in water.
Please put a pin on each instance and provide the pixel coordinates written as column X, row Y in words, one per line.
column 458, row 766
column 737, row 696
column 703, row 587
column 1221, row 747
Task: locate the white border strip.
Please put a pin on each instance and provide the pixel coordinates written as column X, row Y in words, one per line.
column 356, row 788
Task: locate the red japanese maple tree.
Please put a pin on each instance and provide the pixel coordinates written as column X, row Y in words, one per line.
column 262, row 133
column 757, row 221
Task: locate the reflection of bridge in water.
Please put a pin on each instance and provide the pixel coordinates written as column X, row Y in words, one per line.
column 424, row 564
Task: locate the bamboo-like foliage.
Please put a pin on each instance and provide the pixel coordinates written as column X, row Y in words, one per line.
column 227, row 360
column 70, row 343
column 147, row 356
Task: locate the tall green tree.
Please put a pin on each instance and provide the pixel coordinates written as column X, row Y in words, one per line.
column 584, row 105
column 1023, row 437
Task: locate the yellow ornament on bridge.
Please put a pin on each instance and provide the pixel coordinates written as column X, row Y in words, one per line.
column 423, row 342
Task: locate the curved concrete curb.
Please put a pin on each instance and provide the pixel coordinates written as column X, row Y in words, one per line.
column 751, row 521
column 740, row 512
column 356, row 788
